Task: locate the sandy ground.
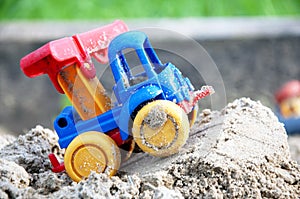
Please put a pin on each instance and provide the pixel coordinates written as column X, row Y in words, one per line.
column 241, row 151
column 294, row 143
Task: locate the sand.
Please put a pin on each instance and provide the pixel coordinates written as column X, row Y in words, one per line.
column 294, row 143
column 241, row 151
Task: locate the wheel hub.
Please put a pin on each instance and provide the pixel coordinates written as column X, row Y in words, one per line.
column 88, row 158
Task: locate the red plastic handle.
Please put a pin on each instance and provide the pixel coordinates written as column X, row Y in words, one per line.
column 53, row 56
column 56, row 166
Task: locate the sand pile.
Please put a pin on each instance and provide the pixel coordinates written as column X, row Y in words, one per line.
column 241, row 151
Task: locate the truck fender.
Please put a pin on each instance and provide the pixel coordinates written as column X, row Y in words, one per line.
column 142, row 95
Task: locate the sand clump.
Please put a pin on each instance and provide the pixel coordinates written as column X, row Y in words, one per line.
column 156, row 117
column 239, row 152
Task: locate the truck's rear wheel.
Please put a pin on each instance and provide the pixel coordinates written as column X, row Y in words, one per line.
column 91, row 151
column 161, row 128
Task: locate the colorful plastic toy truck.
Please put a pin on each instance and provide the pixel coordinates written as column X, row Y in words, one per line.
column 288, row 106
column 154, row 108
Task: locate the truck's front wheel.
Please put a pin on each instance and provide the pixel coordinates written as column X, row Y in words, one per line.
column 161, row 128
column 91, row 151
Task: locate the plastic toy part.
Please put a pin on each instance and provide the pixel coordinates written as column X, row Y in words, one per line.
column 127, row 150
column 55, row 55
column 291, row 124
column 288, row 90
column 288, row 99
column 56, row 166
column 92, row 151
column 288, row 106
column 192, row 116
column 161, row 128
column 87, row 95
column 188, row 106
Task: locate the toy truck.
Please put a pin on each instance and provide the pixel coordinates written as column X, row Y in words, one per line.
column 154, row 108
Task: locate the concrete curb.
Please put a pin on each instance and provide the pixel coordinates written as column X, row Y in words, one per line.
column 197, row 28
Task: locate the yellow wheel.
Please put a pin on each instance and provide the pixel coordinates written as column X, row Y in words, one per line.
column 193, row 115
column 160, row 128
column 91, row 151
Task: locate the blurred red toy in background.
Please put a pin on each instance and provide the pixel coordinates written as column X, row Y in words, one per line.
column 288, row 106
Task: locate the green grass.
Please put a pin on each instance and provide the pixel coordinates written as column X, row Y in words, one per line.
column 124, row 9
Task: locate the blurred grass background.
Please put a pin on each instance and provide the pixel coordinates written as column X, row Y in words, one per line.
column 111, row 9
